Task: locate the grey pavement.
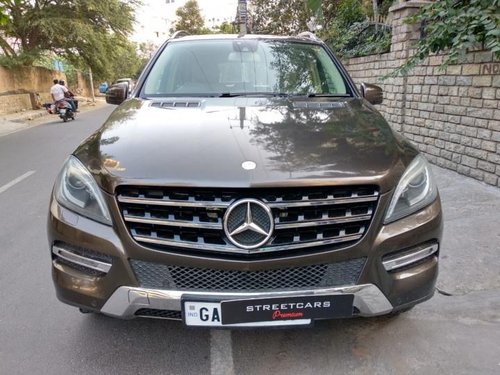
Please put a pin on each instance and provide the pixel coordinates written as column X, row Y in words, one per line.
column 457, row 333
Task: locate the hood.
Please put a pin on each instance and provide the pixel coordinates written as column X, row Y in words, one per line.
column 204, row 142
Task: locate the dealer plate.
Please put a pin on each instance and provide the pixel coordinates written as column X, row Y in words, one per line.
column 266, row 312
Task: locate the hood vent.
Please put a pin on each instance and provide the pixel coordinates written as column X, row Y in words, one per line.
column 177, row 104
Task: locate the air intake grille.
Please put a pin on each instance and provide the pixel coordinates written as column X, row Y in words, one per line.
column 186, row 220
column 153, row 275
column 155, row 313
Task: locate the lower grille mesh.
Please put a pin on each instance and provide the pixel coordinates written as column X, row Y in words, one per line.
column 152, row 275
column 155, row 313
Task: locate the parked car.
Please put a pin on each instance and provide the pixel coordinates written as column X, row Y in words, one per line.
column 103, row 87
column 246, row 182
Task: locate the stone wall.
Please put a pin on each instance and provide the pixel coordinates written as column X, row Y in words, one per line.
column 25, row 88
column 453, row 116
column 14, row 103
column 29, row 79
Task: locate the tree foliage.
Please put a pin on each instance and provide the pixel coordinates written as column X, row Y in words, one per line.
column 189, row 19
column 279, row 17
column 89, row 33
column 226, row 28
column 455, row 26
column 288, row 17
column 340, row 23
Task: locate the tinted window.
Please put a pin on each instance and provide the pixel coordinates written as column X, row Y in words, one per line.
column 213, row 67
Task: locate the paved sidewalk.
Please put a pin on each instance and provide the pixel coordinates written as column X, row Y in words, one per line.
column 470, row 254
column 14, row 122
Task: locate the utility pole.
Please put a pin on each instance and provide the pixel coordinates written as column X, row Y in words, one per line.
column 242, row 16
column 91, row 85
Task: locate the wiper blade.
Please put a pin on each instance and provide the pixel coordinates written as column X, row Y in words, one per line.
column 326, row 95
column 264, row 93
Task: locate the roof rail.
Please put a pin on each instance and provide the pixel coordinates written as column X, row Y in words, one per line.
column 179, row 34
column 309, row 35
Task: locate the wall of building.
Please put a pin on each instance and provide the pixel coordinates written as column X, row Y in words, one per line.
column 453, row 116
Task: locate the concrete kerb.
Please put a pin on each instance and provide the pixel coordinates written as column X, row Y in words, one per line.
column 13, row 122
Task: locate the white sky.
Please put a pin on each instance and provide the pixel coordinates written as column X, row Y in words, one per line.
column 155, row 17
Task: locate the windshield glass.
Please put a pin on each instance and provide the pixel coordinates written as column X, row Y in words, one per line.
column 222, row 67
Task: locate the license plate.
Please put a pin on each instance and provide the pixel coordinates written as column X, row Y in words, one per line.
column 62, row 111
column 266, row 312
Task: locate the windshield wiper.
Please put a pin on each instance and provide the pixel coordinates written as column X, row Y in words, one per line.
column 326, row 95
column 264, row 93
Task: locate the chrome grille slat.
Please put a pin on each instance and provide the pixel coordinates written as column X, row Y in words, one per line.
column 167, row 222
column 172, row 203
column 307, row 223
column 219, row 204
column 233, row 249
column 191, row 219
column 319, row 202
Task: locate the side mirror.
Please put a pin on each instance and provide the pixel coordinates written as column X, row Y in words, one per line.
column 372, row 93
column 117, row 93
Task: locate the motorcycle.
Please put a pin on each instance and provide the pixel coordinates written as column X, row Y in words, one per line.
column 61, row 108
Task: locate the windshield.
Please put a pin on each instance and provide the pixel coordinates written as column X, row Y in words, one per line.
column 225, row 67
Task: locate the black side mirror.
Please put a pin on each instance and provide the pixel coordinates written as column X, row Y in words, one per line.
column 117, row 93
column 372, row 93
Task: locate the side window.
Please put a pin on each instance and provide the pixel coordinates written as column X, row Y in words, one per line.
column 332, row 80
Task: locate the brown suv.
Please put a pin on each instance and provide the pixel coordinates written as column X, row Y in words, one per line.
column 245, row 182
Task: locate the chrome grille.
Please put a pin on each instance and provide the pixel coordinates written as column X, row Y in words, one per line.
column 183, row 219
column 153, row 275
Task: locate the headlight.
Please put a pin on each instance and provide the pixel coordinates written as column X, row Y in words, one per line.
column 77, row 190
column 415, row 190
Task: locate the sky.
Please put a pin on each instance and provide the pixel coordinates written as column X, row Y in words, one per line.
column 155, row 17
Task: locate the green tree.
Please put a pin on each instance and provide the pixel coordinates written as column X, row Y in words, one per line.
column 453, row 26
column 84, row 32
column 128, row 62
column 226, row 28
column 288, row 17
column 189, row 19
column 280, row 17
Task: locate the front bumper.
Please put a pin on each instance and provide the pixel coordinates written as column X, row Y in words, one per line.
column 118, row 292
column 126, row 301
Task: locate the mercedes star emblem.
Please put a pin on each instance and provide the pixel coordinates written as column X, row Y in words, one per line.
column 248, row 223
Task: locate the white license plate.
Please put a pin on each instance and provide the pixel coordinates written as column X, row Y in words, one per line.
column 209, row 314
column 62, row 111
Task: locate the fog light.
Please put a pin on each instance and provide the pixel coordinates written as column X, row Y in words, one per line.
column 405, row 258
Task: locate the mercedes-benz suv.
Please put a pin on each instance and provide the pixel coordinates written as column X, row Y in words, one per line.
column 246, row 181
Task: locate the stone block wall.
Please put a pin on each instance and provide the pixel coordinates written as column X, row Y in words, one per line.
column 453, row 116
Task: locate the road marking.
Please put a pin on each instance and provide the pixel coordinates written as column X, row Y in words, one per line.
column 221, row 352
column 15, row 181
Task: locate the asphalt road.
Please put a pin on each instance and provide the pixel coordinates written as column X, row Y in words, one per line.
column 457, row 334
